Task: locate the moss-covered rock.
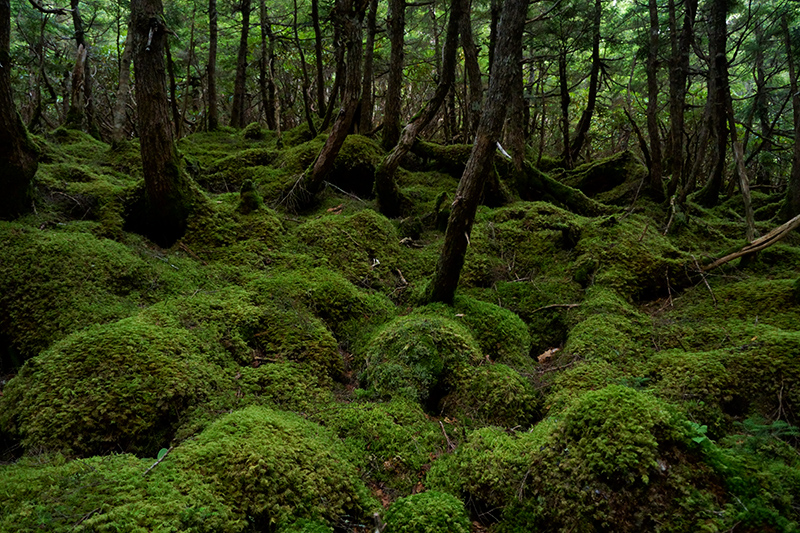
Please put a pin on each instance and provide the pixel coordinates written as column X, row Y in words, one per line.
column 276, row 467
column 418, row 357
column 119, row 386
column 106, row 494
column 427, row 512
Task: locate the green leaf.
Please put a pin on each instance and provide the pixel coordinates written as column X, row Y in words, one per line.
column 161, row 453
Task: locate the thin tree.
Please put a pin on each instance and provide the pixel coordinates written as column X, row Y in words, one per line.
column 239, row 84
column 585, row 121
column 18, row 157
column 123, row 91
column 168, row 196
column 507, row 55
column 395, row 27
column 318, row 57
column 791, row 206
column 367, row 102
column 656, row 186
column 213, row 108
column 390, row 200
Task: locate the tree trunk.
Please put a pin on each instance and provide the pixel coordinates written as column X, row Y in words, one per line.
column 395, row 26
column 213, row 108
column 318, row 53
column 473, row 71
column 123, row 90
column 367, row 103
column 168, row 199
column 267, row 68
column 180, row 124
column 390, row 200
column 791, row 206
column 77, row 106
column 173, row 91
column 563, row 84
column 594, row 75
column 717, row 88
column 18, row 157
column 678, row 73
column 656, row 185
column 306, row 83
column 348, row 14
column 240, row 83
column 463, row 208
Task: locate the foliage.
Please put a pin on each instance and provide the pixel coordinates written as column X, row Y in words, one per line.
column 427, row 512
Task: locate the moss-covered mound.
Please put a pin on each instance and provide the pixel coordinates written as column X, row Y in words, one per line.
column 119, row 386
column 54, row 283
column 274, row 466
column 108, row 493
column 427, row 512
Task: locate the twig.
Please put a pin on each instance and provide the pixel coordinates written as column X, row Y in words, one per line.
column 351, row 195
column 644, row 232
column 703, row 274
column 759, row 244
column 555, row 368
column 450, row 445
column 552, row 306
column 671, row 215
column 86, row 517
column 182, row 245
column 158, row 461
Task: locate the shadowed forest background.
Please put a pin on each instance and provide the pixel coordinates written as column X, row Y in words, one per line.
column 433, row 266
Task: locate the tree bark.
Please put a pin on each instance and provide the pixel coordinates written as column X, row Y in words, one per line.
column 306, row 83
column 81, row 108
column 267, row 68
column 173, row 91
column 120, row 113
column 390, row 200
column 791, row 206
column 318, row 53
column 656, row 185
column 168, row 200
column 213, row 108
column 240, row 83
column 348, row 14
column 565, row 100
column 18, row 157
column 708, row 196
column 473, row 70
column 585, row 121
column 395, row 26
column 463, row 208
column 367, row 103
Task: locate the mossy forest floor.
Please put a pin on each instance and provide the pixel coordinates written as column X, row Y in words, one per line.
column 276, row 371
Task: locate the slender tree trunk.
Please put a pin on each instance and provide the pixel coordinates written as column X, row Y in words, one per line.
column 18, row 157
column 741, row 171
column 179, row 126
column 168, row 200
column 318, row 53
column 173, row 91
column 238, row 118
column 367, row 104
column 267, row 68
column 306, row 83
column 348, row 14
column 123, row 90
column 77, row 106
column 494, row 19
column 395, row 26
column 563, row 84
column 791, row 206
column 678, row 74
column 473, row 71
column 81, row 109
column 656, row 185
column 390, row 200
column 213, row 108
column 718, row 87
column 463, row 208
column 594, row 76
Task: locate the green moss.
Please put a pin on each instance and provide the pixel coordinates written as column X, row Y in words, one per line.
column 52, row 284
column 363, row 247
column 305, row 526
column 427, row 512
column 106, row 494
column 119, row 386
column 230, row 171
column 575, row 381
column 275, row 466
column 418, row 357
column 392, row 441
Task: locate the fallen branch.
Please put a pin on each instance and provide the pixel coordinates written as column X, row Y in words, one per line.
column 759, row 244
column 553, row 306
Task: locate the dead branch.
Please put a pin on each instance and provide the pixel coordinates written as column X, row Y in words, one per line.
column 553, row 306
column 759, row 244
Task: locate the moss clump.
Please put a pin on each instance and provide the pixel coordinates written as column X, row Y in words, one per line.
column 119, row 386
column 427, row 512
column 52, row 284
column 354, row 167
column 109, row 493
column 574, row 382
column 232, row 170
column 275, row 467
column 363, row 247
column 253, row 132
column 418, row 357
column 493, row 395
column 607, row 174
column 392, row 441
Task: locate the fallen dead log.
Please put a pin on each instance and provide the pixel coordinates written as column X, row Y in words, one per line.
column 757, row 245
